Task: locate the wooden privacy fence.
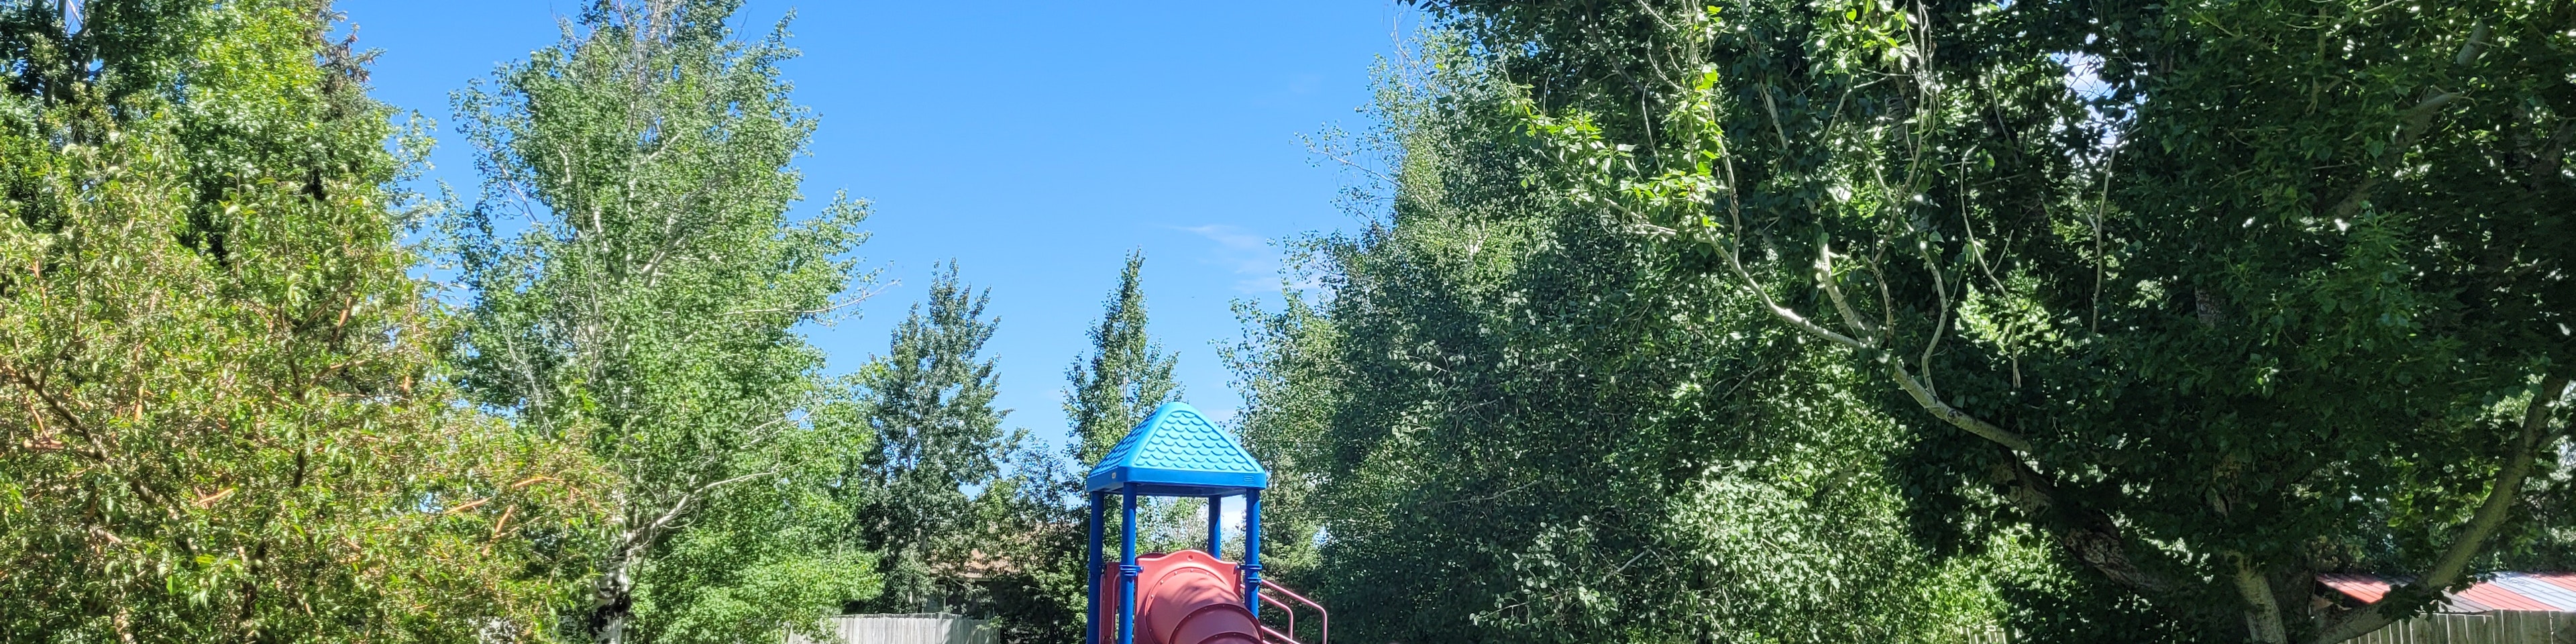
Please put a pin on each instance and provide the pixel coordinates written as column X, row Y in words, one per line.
column 2497, row 627
column 915, row 628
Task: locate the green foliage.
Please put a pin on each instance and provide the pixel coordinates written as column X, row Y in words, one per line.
column 1034, row 514
column 1112, row 391
column 718, row 584
column 2212, row 296
column 1126, row 376
column 1746, row 322
column 1513, row 421
column 224, row 417
column 636, row 285
column 1030, row 537
column 931, row 409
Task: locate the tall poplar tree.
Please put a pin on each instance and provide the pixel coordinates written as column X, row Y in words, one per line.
column 1111, row 391
column 1035, row 514
column 1126, row 376
column 221, row 418
column 636, row 282
column 931, row 408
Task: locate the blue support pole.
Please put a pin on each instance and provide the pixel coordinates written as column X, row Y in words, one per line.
column 1252, row 552
column 1216, row 527
column 1127, row 568
column 1091, row 581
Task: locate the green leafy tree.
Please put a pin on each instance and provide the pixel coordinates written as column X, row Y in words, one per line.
column 2213, row 296
column 1112, row 391
column 221, row 415
column 1507, row 423
column 637, row 283
column 1126, row 376
column 1030, row 536
column 938, row 436
column 1286, row 369
column 1035, row 512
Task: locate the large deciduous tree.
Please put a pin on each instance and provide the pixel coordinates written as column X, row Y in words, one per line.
column 937, row 436
column 637, row 282
column 221, row 416
column 2214, row 295
column 1505, row 420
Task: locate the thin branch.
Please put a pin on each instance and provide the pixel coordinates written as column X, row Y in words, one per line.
column 1833, row 291
column 1382, row 177
column 827, row 308
column 468, row 505
column 2416, row 119
column 1735, row 211
column 2100, row 206
column 1774, row 110
column 2473, row 537
column 1941, row 324
column 1951, row 415
column 2468, row 50
column 2413, row 123
column 645, row 534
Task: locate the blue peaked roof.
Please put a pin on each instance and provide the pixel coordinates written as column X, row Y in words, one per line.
column 1177, row 452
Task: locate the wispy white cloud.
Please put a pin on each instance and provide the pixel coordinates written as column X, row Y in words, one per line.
column 1303, row 84
column 1247, row 255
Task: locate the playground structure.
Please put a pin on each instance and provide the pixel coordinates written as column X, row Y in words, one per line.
column 1191, row 596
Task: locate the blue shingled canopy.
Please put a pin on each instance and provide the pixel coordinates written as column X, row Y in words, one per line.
column 1177, row 452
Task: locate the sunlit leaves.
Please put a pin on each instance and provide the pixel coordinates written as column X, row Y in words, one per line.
column 636, row 287
column 224, row 421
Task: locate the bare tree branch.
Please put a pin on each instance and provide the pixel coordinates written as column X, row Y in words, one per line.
column 643, row 535
column 1960, row 419
column 2415, row 121
column 853, row 300
column 2473, row 537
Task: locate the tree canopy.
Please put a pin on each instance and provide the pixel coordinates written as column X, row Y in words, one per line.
column 1126, row 376
column 2215, row 295
column 1508, row 433
column 226, row 415
column 937, row 434
column 636, row 281
column 1732, row 321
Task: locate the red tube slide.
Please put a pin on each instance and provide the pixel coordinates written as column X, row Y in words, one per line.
column 1184, row 597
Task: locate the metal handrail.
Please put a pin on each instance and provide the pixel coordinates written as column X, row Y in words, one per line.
column 1284, row 609
column 1324, row 618
column 1283, row 638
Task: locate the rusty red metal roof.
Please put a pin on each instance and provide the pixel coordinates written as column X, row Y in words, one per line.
column 2502, row 591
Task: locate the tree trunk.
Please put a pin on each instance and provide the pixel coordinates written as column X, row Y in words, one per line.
column 2262, row 609
column 612, row 602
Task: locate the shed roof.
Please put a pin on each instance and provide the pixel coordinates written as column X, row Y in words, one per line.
column 1177, row 452
column 2503, row 591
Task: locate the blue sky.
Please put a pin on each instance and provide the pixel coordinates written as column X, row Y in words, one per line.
column 1035, row 143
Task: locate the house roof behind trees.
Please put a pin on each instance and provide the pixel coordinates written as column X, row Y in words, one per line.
column 2545, row 591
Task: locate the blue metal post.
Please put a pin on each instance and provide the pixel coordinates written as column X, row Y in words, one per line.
column 1127, row 568
column 1252, row 551
column 1216, row 527
column 1091, row 581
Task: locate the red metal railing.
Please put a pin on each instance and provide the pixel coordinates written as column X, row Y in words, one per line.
column 1323, row 618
